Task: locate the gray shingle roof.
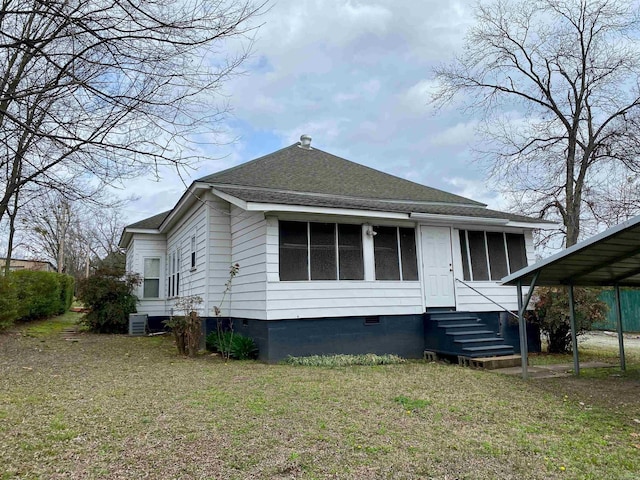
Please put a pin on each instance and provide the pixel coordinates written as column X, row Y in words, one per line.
column 151, row 223
column 299, row 176
column 292, row 198
column 297, row 169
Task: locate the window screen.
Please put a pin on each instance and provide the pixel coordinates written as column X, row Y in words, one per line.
column 323, row 251
column 385, row 246
column 293, row 251
column 408, row 254
column 478, row 251
column 517, row 251
column 506, row 253
column 465, row 255
column 350, row 252
column 497, row 255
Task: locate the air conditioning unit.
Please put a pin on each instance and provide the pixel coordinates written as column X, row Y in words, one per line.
column 137, row 324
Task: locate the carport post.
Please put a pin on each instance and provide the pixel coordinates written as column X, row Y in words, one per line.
column 574, row 335
column 623, row 365
column 523, row 334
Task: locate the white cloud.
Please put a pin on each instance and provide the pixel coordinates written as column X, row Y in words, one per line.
column 460, row 134
column 357, row 77
column 477, row 189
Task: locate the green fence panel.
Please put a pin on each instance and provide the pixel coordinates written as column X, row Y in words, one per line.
column 630, row 303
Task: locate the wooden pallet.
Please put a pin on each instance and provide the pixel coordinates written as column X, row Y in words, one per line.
column 490, row 363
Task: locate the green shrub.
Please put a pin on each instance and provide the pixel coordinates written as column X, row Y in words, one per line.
column 109, row 296
column 38, row 294
column 67, row 284
column 551, row 314
column 369, row 359
column 8, row 303
column 233, row 344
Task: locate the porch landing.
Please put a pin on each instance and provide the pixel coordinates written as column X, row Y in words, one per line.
column 492, row 363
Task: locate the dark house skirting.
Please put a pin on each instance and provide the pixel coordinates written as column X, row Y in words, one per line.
column 402, row 335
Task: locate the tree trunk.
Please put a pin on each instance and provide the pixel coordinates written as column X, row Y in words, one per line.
column 572, row 225
column 12, row 231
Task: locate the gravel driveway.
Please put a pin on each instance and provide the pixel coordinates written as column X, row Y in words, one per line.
column 609, row 339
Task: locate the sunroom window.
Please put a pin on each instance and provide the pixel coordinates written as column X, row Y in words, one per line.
column 395, row 253
column 320, row 251
column 491, row 255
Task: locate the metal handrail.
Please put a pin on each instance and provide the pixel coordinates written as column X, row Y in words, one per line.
column 491, row 300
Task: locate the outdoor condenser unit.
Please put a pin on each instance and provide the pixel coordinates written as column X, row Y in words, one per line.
column 137, row 324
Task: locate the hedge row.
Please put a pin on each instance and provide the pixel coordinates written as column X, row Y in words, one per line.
column 31, row 295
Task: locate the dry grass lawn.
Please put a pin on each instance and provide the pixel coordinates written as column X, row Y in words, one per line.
column 114, row 407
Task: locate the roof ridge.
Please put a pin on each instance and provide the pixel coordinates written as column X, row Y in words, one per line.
column 259, row 172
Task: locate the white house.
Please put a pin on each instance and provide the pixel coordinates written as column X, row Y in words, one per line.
column 334, row 257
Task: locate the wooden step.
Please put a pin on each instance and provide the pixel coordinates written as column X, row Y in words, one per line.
column 492, row 363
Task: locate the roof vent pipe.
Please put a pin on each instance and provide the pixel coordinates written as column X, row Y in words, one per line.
column 305, row 142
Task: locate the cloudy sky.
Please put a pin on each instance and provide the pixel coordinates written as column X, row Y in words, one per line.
column 356, row 76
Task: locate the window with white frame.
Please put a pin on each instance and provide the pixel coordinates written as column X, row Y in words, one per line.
column 151, row 282
column 173, row 279
column 193, row 251
column 320, row 251
column 395, row 253
column 491, row 255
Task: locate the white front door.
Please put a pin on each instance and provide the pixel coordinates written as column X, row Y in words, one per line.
column 437, row 266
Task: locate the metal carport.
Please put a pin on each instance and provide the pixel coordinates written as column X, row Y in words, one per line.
column 611, row 258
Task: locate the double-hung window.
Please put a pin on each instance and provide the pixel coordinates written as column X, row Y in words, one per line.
column 320, row 251
column 193, row 252
column 395, row 253
column 151, row 283
column 491, row 255
column 173, row 279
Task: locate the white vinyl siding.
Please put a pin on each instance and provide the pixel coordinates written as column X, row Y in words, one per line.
column 249, row 250
column 182, row 280
column 216, row 258
column 344, row 298
column 145, row 246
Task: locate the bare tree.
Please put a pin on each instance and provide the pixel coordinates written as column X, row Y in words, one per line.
column 72, row 235
column 557, row 82
column 110, row 88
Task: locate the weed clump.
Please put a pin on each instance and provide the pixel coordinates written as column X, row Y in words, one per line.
column 368, row 359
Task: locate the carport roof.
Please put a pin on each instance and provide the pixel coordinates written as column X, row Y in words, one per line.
column 609, row 258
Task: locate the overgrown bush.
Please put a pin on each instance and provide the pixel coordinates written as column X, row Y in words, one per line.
column 232, row 345
column 109, row 296
column 187, row 328
column 369, row 359
column 31, row 295
column 39, row 293
column 551, row 314
column 67, row 283
column 8, row 303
